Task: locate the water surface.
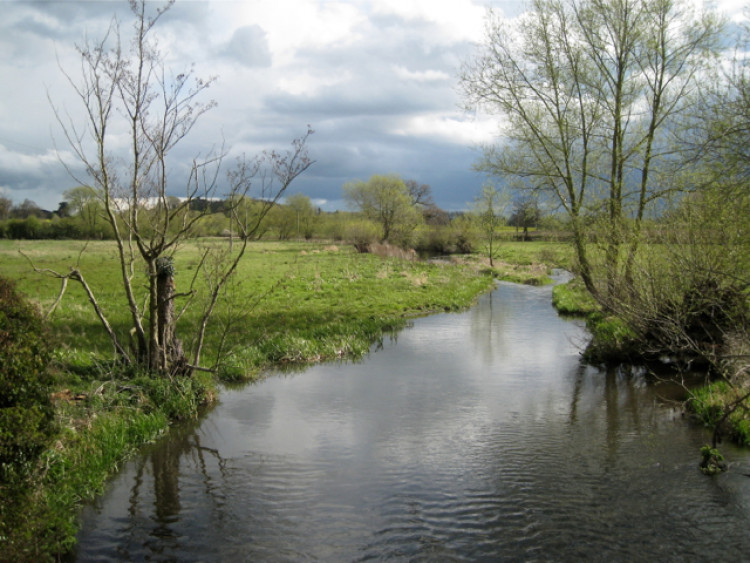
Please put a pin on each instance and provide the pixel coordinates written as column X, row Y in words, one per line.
column 472, row 436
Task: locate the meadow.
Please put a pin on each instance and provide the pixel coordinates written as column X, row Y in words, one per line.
column 290, row 302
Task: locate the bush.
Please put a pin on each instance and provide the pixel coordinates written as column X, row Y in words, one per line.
column 26, row 414
column 362, row 233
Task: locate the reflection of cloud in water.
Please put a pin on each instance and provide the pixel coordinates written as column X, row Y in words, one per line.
column 476, row 435
column 427, row 393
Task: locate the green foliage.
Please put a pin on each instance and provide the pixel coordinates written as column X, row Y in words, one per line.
column 177, row 398
column 362, row 233
column 25, row 408
column 712, row 461
column 113, row 419
column 386, row 201
column 456, row 238
column 488, row 212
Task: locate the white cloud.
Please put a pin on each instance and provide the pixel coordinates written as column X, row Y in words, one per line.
column 295, row 25
column 14, row 162
column 452, row 128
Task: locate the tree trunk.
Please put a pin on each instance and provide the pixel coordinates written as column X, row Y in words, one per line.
column 169, row 351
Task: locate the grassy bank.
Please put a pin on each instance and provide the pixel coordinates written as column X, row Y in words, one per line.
column 721, row 407
column 98, row 427
column 292, row 303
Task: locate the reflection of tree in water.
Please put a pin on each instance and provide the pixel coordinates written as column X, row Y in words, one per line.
column 182, row 446
column 487, row 329
column 621, row 398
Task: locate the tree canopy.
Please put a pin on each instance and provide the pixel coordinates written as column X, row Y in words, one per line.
column 386, row 200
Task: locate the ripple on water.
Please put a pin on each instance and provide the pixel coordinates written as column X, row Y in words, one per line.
column 475, row 436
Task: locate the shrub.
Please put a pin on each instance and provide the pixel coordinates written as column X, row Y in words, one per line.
column 26, row 414
column 362, row 233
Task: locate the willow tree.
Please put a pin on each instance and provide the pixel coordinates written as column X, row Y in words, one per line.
column 385, row 200
column 125, row 87
column 590, row 92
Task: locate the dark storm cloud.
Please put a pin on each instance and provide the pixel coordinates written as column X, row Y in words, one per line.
column 375, row 82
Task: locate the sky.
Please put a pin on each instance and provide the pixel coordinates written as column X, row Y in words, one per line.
column 377, row 80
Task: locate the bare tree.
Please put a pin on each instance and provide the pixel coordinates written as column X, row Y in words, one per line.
column 130, row 88
column 421, row 194
column 5, row 207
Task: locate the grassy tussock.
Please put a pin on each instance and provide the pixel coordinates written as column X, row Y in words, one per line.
column 573, row 299
column 709, row 405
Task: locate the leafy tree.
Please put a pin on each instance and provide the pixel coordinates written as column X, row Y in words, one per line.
column 304, row 214
column 525, row 214
column 128, row 88
column 386, row 201
column 283, row 220
column 85, row 204
column 691, row 298
column 26, row 209
column 591, row 92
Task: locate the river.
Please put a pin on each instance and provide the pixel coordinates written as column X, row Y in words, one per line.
column 476, row 436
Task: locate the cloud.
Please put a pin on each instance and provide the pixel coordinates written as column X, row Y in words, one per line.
column 249, row 46
column 374, row 78
column 424, row 76
column 452, row 128
column 33, row 165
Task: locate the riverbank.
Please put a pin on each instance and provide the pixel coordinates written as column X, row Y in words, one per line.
column 719, row 405
column 293, row 303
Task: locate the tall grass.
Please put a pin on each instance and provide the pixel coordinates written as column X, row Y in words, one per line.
column 101, row 424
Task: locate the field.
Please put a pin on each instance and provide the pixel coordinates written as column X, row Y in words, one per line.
column 291, row 302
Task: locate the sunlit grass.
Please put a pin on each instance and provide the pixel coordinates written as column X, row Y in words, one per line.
column 291, row 302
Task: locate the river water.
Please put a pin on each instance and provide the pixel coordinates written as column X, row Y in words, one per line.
column 472, row 436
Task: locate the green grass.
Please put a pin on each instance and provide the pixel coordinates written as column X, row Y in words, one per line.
column 573, row 299
column 292, row 302
column 555, row 254
column 101, row 424
column 708, row 403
